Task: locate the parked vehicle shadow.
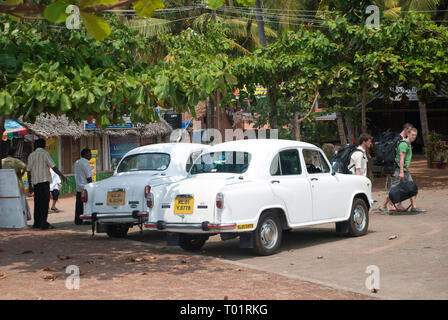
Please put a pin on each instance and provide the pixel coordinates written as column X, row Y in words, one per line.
column 292, row 240
column 100, row 257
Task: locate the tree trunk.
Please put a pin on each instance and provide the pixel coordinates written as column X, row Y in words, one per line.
column 425, row 127
column 273, row 117
column 348, row 123
column 341, row 129
column 363, row 109
column 219, row 111
column 260, row 23
column 295, row 127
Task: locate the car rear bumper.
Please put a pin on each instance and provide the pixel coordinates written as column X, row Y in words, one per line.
column 117, row 217
column 204, row 227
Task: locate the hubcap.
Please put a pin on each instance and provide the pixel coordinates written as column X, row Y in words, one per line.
column 269, row 234
column 359, row 218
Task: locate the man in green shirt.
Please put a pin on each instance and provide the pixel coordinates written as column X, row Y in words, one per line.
column 404, row 157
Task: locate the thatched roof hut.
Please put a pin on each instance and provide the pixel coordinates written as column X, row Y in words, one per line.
column 52, row 126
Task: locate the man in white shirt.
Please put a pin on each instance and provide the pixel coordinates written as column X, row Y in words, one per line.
column 83, row 176
column 39, row 177
column 358, row 160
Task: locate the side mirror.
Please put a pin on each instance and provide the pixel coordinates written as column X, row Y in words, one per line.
column 334, row 168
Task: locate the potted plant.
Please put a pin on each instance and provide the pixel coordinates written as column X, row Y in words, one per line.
column 437, row 151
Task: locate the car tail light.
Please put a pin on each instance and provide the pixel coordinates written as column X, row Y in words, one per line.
column 84, row 196
column 219, row 200
column 150, row 200
column 147, row 191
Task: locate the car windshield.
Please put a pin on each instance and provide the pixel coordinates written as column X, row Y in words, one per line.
column 222, row 162
column 145, row 161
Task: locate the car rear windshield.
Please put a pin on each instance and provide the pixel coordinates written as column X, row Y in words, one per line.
column 222, row 162
column 145, row 161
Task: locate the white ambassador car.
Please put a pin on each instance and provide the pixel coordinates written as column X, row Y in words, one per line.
column 115, row 204
column 255, row 189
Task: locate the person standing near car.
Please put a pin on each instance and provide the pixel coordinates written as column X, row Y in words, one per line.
column 358, row 159
column 401, row 173
column 39, row 177
column 83, row 176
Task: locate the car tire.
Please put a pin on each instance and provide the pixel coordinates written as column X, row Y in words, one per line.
column 192, row 242
column 117, row 231
column 359, row 218
column 268, row 234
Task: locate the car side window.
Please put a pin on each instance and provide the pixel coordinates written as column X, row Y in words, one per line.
column 323, row 164
column 315, row 162
column 287, row 162
column 193, row 156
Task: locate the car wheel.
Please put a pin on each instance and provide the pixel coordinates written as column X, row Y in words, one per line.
column 117, row 231
column 268, row 234
column 359, row 218
column 192, row 242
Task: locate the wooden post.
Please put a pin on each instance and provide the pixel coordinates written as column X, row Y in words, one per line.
column 425, row 127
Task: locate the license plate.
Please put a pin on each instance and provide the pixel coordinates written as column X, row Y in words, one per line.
column 115, row 198
column 183, row 205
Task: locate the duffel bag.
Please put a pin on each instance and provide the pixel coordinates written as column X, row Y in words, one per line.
column 403, row 191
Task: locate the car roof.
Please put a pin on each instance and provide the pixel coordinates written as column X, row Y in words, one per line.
column 254, row 145
column 167, row 148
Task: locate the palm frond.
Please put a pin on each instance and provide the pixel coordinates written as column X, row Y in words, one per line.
column 150, row 27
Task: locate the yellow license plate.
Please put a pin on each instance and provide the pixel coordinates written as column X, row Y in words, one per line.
column 116, row 198
column 183, row 205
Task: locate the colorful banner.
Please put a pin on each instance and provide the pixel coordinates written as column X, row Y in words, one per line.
column 52, row 147
column 92, row 162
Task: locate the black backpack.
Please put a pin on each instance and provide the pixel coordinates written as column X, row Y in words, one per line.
column 403, row 191
column 342, row 158
column 386, row 151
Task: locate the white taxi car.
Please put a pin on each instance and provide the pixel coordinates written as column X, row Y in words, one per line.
column 115, row 204
column 255, row 189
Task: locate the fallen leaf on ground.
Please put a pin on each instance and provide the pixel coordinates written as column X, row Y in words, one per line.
column 144, row 273
column 393, row 237
column 49, row 277
column 91, row 262
column 184, row 261
column 374, row 290
column 226, row 298
column 62, row 257
column 47, row 269
column 27, row 251
column 132, row 259
column 320, row 257
column 240, row 269
column 2, row 275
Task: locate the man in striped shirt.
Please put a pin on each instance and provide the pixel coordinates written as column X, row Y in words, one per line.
column 39, row 176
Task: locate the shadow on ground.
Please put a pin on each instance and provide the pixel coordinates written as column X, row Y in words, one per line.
column 52, row 251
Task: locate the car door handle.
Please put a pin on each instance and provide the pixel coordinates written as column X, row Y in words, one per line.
column 314, row 179
column 275, row 181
